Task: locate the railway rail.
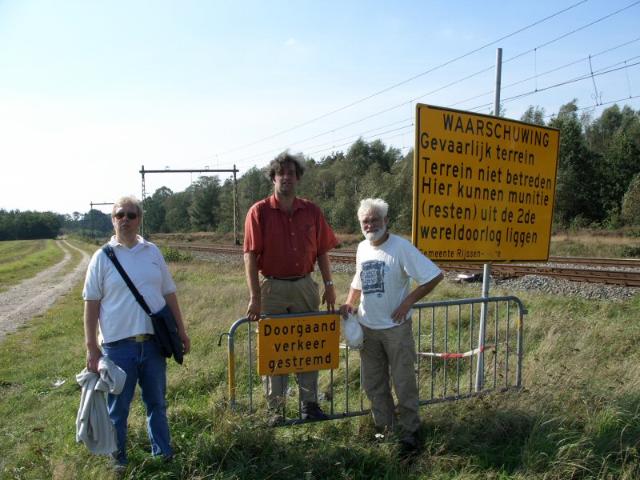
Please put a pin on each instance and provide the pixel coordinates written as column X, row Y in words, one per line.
column 611, row 271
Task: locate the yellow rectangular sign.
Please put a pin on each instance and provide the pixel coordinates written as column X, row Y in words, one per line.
column 298, row 344
column 484, row 187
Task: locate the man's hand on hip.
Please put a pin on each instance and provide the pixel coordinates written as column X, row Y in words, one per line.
column 399, row 315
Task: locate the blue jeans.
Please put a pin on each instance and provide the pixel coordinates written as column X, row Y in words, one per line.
column 143, row 364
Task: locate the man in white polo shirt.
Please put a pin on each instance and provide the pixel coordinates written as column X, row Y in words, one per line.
column 385, row 265
column 125, row 328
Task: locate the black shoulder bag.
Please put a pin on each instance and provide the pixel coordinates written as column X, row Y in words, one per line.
column 164, row 324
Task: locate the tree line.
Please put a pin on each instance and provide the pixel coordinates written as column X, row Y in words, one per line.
column 598, row 183
column 598, row 174
column 29, row 225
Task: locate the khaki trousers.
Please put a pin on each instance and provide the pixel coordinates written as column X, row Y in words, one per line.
column 387, row 356
column 282, row 296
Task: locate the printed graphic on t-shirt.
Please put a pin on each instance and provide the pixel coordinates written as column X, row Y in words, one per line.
column 372, row 277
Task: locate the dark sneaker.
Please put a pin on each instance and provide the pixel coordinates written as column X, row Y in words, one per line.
column 312, row 411
column 118, row 466
column 408, row 445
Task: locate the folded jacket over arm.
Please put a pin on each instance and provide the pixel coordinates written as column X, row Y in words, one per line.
column 93, row 425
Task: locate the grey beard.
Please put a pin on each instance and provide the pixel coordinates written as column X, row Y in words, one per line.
column 375, row 236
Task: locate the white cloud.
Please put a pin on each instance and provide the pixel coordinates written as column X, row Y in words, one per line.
column 296, row 47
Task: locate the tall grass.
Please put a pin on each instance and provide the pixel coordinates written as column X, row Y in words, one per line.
column 578, row 416
column 593, row 244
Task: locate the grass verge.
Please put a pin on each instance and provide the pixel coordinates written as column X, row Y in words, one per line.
column 578, row 417
column 22, row 259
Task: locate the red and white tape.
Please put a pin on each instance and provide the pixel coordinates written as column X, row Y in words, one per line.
column 448, row 355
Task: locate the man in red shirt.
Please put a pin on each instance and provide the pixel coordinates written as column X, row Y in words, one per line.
column 284, row 236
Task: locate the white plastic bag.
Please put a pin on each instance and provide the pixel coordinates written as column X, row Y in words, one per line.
column 352, row 332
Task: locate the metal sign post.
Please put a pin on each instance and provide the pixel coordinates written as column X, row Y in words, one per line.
column 484, row 190
column 486, row 269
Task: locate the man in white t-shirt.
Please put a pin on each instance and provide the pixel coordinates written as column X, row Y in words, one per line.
column 385, row 265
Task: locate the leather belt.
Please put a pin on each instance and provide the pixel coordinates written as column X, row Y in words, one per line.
column 286, row 279
column 136, row 338
column 140, row 338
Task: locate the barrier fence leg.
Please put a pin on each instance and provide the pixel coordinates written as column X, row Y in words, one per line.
column 232, row 373
column 486, row 272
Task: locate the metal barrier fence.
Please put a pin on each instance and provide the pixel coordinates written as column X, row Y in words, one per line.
column 449, row 347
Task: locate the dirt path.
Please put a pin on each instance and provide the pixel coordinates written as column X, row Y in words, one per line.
column 36, row 295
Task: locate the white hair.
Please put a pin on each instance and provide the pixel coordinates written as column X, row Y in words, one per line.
column 375, row 205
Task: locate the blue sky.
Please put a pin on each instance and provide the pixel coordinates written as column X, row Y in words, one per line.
column 91, row 90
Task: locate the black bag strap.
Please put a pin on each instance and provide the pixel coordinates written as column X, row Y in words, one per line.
column 108, row 250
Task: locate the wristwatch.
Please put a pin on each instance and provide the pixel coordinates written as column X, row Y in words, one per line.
column 328, row 283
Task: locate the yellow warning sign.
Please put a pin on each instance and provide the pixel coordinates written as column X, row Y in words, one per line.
column 484, row 187
column 298, row 344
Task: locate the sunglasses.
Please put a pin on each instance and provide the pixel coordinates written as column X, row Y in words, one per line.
column 130, row 215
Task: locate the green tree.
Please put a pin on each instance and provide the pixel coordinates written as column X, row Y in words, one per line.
column 372, row 183
column 631, row 203
column 155, row 210
column 253, row 186
column 318, row 184
column 203, row 211
column 615, row 138
column 399, row 194
column 577, row 189
column 225, row 212
column 533, row 115
column 96, row 223
column 365, row 170
column 361, row 155
column 601, row 131
column 29, row 225
column 342, row 215
column 177, row 212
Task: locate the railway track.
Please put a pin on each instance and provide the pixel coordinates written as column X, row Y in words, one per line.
column 611, row 271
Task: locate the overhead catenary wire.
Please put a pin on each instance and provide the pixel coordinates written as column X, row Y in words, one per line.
column 362, row 134
column 577, row 79
column 560, row 84
column 547, row 72
column 454, row 82
column 602, row 71
column 271, row 150
column 460, row 80
column 601, row 105
column 408, row 80
column 575, row 30
column 365, row 138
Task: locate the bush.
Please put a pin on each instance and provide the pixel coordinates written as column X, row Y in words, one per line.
column 175, row 255
column 613, row 220
column 631, row 252
column 631, row 203
column 578, row 222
